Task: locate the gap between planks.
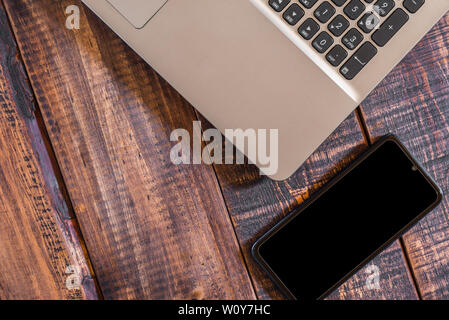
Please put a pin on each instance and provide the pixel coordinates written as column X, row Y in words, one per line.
column 54, row 163
column 199, row 118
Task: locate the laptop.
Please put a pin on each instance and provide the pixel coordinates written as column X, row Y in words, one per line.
column 297, row 66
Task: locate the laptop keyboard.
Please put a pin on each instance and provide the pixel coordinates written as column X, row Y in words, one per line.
column 348, row 33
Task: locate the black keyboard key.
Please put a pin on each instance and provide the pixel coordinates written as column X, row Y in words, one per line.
column 337, row 55
column 383, row 7
column 369, row 1
column 338, row 25
column 354, row 9
column 413, row 6
column 339, row 3
column 308, row 3
column 293, row 14
column 324, row 12
column 322, row 42
column 352, row 39
column 390, row 27
column 358, row 61
column 368, row 22
column 278, row 5
column 308, row 29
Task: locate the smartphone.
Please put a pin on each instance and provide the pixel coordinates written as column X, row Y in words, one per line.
column 313, row 250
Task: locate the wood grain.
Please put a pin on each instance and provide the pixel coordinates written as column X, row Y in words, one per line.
column 257, row 203
column 38, row 237
column 413, row 103
column 153, row 229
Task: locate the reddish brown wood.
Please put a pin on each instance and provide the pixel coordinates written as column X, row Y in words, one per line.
column 413, row 103
column 38, row 238
column 153, row 229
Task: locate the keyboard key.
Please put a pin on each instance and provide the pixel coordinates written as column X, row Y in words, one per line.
column 354, row 9
column 390, row 27
column 368, row 22
column 413, row 6
column 322, row 42
column 383, row 7
column 308, row 29
column 369, row 1
column 293, row 14
column 337, row 55
column 278, row 5
column 308, row 3
column 339, row 3
column 338, row 25
column 358, row 61
column 352, row 39
column 324, row 12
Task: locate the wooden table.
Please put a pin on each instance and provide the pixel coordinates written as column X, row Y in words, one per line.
column 87, row 187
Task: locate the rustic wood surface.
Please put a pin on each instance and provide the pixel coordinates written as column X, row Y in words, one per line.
column 155, row 230
column 413, row 103
column 38, row 238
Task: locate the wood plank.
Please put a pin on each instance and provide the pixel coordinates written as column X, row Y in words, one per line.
column 37, row 234
column 413, row 103
column 257, row 203
column 153, row 230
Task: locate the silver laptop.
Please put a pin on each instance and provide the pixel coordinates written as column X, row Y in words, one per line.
column 297, row 66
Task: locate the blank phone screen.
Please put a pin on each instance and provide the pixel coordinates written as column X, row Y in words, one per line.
column 335, row 233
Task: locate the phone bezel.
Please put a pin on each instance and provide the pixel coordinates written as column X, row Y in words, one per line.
column 264, row 265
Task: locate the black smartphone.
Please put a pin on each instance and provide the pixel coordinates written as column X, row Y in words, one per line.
column 364, row 209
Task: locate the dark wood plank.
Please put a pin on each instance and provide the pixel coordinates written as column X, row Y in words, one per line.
column 153, row 230
column 37, row 235
column 413, row 103
column 257, row 203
